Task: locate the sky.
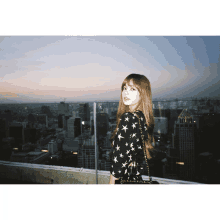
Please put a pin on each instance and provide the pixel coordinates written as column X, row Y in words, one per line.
column 77, row 68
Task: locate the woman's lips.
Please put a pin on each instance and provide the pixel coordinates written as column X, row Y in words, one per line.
column 126, row 99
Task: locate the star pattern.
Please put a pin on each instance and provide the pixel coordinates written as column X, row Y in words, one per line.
column 119, row 137
column 124, row 128
column 127, row 145
column 115, row 159
column 117, row 148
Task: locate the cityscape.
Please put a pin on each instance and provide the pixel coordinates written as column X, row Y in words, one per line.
column 60, row 94
column 62, row 134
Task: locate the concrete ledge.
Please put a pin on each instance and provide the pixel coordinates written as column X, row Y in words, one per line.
column 39, row 173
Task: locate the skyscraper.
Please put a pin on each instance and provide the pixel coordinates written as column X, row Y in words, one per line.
column 161, row 125
column 184, row 142
column 60, row 121
column 63, row 109
column 77, row 127
column 84, row 112
column 102, row 121
column 70, row 127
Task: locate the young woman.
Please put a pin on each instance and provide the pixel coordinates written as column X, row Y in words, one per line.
column 128, row 150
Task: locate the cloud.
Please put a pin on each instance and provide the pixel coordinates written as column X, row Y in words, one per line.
column 16, row 68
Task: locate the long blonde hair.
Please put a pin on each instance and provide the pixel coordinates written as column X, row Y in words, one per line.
column 142, row 83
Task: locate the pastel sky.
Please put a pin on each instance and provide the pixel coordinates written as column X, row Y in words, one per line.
column 51, row 68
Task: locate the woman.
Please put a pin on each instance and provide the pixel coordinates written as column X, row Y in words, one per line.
column 128, row 151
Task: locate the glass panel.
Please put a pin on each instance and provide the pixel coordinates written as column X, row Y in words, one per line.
column 106, row 124
column 63, row 134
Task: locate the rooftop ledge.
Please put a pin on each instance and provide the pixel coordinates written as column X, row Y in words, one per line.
column 39, row 173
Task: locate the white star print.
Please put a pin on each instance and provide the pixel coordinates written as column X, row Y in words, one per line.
column 119, row 137
column 139, row 147
column 130, row 157
column 126, row 144
column 115, row 159
column 113, row 173
column 141, row 119
column 133, row 125
column 133, row 135
column 127, row 152
column 117, row 148
column 137, row 139
column 121, row 155
column 138, row 173
column 127, row 119
column 131, row 145
column 125, row 171
column 132, row 149
column 124, row 128
column 124, row 164
column 119, row 171
column 133, row 117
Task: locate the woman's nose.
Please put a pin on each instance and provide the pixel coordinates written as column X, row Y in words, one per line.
column 126, row 92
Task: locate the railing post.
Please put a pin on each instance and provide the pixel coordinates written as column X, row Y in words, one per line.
column 95, row 133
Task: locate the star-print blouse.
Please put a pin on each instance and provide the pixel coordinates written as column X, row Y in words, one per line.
column 127, row 145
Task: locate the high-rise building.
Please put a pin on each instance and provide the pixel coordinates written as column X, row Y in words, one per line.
column 77, row 127
column 84, row 112
column 184, row 143
column 65, row 119
column 75, row 114
column 63, row 109
column 42, row 119
column 92, row 127
column 86, row 157
column 70, row 125
column 70, row 144
column 102, row 122
column 60, row 121
column 208, row 133
column 161, row 125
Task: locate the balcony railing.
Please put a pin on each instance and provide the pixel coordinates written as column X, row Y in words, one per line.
column 38, row 173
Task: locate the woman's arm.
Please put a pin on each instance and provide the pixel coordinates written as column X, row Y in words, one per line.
column 112, row 179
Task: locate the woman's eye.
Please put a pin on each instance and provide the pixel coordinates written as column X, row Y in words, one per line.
column 124, row 88
column 133, row 89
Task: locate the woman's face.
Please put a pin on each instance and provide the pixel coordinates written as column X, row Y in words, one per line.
column 130, row 95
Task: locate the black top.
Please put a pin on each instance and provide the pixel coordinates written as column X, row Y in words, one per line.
column 127, row 146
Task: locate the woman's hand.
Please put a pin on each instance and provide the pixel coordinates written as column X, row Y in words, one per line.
column 132, row 164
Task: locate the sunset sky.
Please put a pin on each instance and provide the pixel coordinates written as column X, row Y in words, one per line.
column 51, row 68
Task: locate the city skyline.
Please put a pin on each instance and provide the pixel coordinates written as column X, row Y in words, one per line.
column 51, row 69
